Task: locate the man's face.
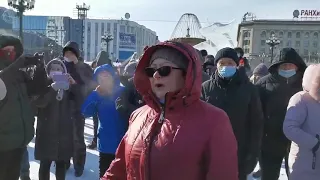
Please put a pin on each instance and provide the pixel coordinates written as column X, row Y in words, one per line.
column 288, row 66
column 8, row 52
column 71, row 56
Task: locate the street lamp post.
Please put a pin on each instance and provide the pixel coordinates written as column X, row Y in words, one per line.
column 107, row 38
column 21, row 6
column 272, row 42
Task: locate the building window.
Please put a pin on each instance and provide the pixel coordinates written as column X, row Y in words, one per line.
column 306, row 35
column 263, row 42
column 280, row 34
column 246, row 50
column 122, row 28
column 298, row 35
column 315, row 44
column 297, row 44
column 96, row 40
column 132, row 30
column 289, row 44
column 263, row 34
column 289, row 34
column 306, row 43
column 102, row 29
column 306, row 52
column 246, row 34
column 108, row 27
column 246, row 42
column 315, row 35
column 128, row 29
column 89, row 26
column 272, row 33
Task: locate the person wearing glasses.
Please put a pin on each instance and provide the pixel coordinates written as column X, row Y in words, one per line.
column 175, row 135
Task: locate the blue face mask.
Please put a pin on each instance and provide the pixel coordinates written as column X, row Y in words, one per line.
column 287, row 73
column 227, row 71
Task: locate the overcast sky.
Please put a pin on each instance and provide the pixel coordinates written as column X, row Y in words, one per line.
column 162, row 16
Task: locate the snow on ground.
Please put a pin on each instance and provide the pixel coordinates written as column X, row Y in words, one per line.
column 91, row 171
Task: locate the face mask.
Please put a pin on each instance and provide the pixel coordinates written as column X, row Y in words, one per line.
column 67, row 59
column 287, row 73
column 227, row 71
column 9, row 55
column 52, row 73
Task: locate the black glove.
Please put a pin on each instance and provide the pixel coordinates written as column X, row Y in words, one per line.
column 11, row 73
column 250, row 164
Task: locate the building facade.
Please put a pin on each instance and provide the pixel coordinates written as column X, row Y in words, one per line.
column 301, row 35
column 128, row 37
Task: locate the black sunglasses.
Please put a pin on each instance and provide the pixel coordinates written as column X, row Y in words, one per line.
column 163, row 71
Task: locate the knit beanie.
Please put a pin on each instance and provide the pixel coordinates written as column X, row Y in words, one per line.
column 172, row 55
column 227, row 53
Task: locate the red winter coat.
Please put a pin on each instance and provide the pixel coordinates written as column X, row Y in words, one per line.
column 194, row 141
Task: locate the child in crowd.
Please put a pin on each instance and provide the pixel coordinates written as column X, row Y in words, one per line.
column 112, row 125
column 54, row 137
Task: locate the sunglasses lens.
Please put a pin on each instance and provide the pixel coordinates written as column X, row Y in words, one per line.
column 150, row 72
column 164, row 71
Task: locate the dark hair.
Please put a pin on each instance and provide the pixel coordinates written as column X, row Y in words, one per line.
column 204, row 52
column 94, row 64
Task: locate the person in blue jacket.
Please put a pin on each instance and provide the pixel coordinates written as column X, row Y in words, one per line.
column 101, row 101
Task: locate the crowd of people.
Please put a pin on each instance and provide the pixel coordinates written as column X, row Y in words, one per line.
column 178, row 113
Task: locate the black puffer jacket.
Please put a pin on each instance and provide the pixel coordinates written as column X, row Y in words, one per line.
column 275, row 93
column 240, row 100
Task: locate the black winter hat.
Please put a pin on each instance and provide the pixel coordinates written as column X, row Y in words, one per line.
column 203, row 52
column 12, row 41
column 226, row 53
column 73, row 47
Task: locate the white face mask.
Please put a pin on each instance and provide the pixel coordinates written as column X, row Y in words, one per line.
column 54, row 73
column 66, row 59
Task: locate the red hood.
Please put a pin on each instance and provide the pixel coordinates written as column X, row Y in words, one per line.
column 192, row 89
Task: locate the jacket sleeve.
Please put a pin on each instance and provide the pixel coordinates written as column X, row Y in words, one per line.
column 39, row 83
column 221, row 153
column 256, row 123
column 89, row 107
column 203, row 91
column 43, row 100
column 117, row 169
column 295, row 117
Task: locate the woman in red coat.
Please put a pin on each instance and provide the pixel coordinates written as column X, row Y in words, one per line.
column 175, row 136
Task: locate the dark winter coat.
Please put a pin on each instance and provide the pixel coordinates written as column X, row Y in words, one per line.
column 275, row 93
column 130, row 100
column 102, row 58
column 54, row 136
column 17, row 118
column 240, row 100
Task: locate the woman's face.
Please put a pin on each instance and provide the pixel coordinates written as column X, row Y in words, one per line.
column 168, row 82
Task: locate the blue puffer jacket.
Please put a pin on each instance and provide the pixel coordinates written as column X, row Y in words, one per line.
column 111, row 126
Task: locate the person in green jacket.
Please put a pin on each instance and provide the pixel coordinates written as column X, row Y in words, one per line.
column 16, row 115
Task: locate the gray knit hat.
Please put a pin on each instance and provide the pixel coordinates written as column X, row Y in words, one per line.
column 171, row 55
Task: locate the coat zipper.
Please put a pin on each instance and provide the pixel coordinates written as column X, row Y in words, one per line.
column 152, row 136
